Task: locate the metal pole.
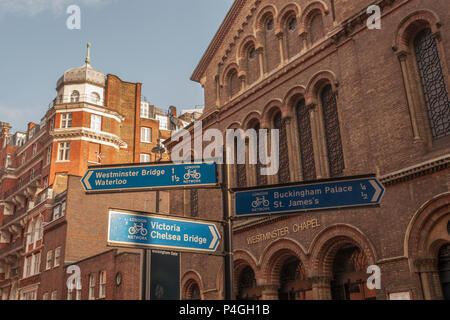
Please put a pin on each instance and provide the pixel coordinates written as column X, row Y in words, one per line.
column 227, row 234
column 146, row 261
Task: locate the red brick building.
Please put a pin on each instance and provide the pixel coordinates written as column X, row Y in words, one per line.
column 95, row 119
column 348, row 101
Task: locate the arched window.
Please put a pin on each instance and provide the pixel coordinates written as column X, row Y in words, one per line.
column 283, row 173
column 293, row 42
column 260, row 179
column 95, row 97
column 332, row 131
column 271, row 44
column 75, row 96
column 252, row 64
column 241, row 170
column 315, row 28
column 38, row 230
column 31, row 233
column 305, row 141
column 233, row 83
column 433, row 83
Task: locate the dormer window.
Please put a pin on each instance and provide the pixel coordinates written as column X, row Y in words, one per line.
column 75, row 96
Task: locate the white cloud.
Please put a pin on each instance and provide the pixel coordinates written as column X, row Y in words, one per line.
column 34, row 7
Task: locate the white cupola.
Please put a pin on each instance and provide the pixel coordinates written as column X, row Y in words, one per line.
column 84, row 84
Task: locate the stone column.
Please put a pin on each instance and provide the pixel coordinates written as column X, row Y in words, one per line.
column 269, row 292
column 429, row 276
column 321, row 287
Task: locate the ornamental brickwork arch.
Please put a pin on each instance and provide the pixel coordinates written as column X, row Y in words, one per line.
column 189, row 279
column 427, row 233
column 276, row 254
column 327, row 243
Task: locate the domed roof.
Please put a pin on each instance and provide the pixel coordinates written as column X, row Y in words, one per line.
column 84, row 74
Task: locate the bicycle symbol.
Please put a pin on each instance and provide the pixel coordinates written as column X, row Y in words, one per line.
column 138, row 229
column 260, row 201
column 192, row 174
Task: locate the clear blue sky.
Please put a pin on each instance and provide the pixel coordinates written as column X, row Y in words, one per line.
column 156, row 42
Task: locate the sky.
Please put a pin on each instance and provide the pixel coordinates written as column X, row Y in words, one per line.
column 156, row 42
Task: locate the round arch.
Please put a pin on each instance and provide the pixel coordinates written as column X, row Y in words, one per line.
column 327, row 243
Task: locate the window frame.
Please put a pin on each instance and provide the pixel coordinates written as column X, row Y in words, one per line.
column 66, row 120
column 144, row 136
column 63, row 151
column 96, row 122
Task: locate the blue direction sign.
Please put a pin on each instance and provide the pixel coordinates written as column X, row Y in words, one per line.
column 338, row 194
column 149, row 176
column 136, row 230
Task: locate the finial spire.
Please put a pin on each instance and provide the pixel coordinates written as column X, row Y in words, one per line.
column 88, row 56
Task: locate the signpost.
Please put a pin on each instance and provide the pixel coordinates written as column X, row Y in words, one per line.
column 352, row 192
column 130, row 229
column 143, row 177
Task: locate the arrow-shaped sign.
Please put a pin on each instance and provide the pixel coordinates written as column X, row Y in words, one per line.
column 342, row 193
column 140, row 177
column 130, row 229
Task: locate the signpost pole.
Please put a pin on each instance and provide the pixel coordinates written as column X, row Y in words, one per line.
column 228, row 232
column 146, row 264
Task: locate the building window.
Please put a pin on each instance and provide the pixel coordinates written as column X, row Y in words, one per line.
column 46, row 182
column 8, row 161
column 63, row 208
column 45, row 296
column 102, row 285
column 27, row 267
column 292, row 24
column 305, row 141
column 37, row 263
column 23, row 159
column 91, row 287
column 316, row 29
column 433, row 83
column 96, row 122
column 146, row 135
column 145, row 157
column 233, row 83
column 49, row 156
column 332, row 131
column 78, row 290
column 284, row 173
column 95, row 97
column 145, row 110
column 270, row 24
column 57, row 257
column 54, row 295
column 66, row 120
column 30, row 236
column 34, row 149
column 75, row 96
column 38, row 229
column 48, row 263
column 56, row 212
column 63, row 151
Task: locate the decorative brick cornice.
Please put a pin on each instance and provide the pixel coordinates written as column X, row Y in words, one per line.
column 416, row 171
column 79, row 133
